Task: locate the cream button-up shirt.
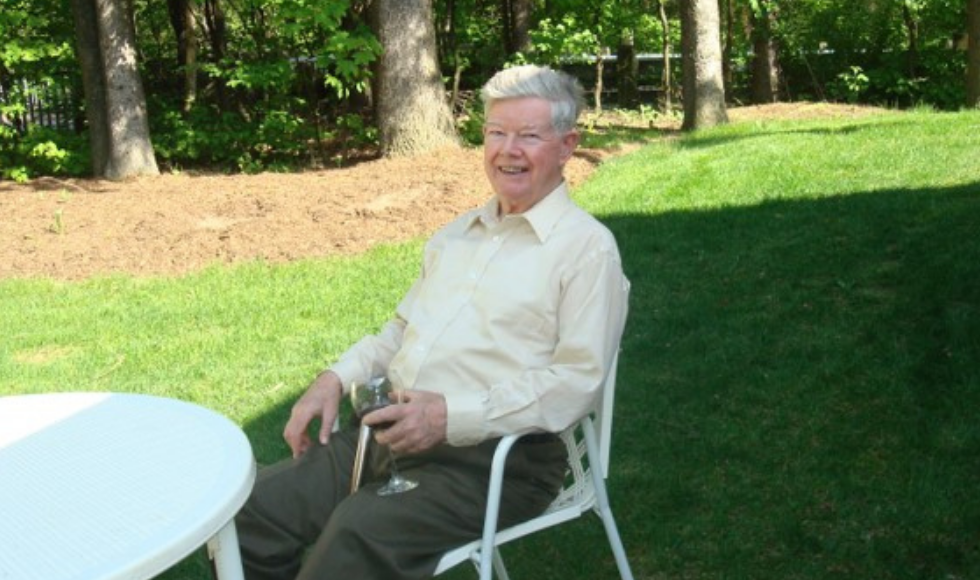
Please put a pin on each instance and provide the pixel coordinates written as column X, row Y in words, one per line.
column 514, row 319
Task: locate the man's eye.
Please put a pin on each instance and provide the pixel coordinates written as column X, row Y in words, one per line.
column 530, row 136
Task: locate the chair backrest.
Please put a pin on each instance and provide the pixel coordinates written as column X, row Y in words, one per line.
column 604, row 415
column 579, row 488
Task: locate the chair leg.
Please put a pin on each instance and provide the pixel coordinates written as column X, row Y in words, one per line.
column 616, row 543
column 602, row 506
column 498, row 565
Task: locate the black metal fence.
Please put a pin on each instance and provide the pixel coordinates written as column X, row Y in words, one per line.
column 24, row 103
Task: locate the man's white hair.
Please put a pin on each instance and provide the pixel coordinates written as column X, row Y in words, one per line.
column 561, row 89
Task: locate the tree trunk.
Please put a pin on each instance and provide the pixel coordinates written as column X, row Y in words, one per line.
column 727, row 71
column 185, row 29
column 130, row 150
column 214, row 16
column 627, row 72
column 93, row 81
column 115, row 102
column 973, row 54
column 667, row 83
column 600, row 66
column 413, row 116
column 450, row 47
column 911, row 21
column 704, row 87
column 765, row 63
column 520, row 12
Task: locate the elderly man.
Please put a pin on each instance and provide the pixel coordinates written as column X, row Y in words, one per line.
column 511, row 327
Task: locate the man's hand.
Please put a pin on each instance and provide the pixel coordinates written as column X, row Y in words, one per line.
column 419, row 421
column 321, row 400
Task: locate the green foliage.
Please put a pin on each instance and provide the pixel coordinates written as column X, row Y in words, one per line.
column 41, row 151
column 346, row 59
column 563, row 40
column 290, row 71
column 821, row 40
column 35, row 37
column 850, row 85
column 471, row 122
column 279, row 140
column 35, row 52
column 355, row 132
column 939, row 81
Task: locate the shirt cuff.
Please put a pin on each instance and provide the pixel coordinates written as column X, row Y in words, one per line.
column 465, row 418
column 347, row 371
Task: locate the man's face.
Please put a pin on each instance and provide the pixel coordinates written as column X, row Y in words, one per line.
column 523, row 156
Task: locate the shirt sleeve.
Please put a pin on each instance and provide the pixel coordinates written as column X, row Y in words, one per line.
column 371, row 355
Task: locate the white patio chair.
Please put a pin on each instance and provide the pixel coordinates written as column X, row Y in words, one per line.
column 588, row 445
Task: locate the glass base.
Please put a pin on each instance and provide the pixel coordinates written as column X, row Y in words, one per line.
column 397, row 484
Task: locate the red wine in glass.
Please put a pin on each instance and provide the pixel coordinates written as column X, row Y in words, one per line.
column 370, row 396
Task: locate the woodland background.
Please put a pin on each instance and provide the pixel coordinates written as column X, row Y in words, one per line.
column 256, row 85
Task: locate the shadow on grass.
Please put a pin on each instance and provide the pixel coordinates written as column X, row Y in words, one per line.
column 799, row 395
column 800, row 389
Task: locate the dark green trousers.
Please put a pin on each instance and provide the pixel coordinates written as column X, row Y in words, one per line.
column 301, row 521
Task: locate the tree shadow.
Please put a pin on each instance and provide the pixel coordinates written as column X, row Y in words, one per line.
column 807, row 369
column 793, row 375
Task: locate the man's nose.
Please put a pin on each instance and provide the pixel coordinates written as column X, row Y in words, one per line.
column 511, row 144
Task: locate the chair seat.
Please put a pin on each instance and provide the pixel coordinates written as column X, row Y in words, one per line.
column 558, row 512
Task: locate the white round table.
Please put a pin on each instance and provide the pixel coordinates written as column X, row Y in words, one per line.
column 113, row 486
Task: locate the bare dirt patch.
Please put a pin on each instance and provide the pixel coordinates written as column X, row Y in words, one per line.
column 180, row 223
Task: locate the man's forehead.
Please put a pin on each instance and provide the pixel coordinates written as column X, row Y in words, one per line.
column 531, row 110
column 519, row 124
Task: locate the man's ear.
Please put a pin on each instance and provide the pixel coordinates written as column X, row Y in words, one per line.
column 569, row 142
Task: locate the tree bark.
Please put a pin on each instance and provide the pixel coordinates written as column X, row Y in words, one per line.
column 765, row 62
column 973, row 54
column 600, row 66
column 911, row 21
column 413, row 116
column 214, row 16
column 727, row 71
column 667, row 83
column 627, row 71
column 114, row 98
column 130, row 150
column 93, row 82
column 185, row 28
column 520, row 12
column 704, row 86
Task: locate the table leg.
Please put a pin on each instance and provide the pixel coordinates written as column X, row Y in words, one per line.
column 223, row 550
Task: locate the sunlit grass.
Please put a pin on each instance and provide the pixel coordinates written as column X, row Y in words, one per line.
column 800, row 378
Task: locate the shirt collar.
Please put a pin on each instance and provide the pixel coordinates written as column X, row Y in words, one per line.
column 542, row 217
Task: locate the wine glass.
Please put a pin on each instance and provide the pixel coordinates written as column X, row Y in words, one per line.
column 370, row 396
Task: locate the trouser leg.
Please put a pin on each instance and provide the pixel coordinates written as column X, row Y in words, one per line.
column 289, row 506
column 365, row 536
column 370, row 537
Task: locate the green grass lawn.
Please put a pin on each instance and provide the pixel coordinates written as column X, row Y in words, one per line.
column 799, row 389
